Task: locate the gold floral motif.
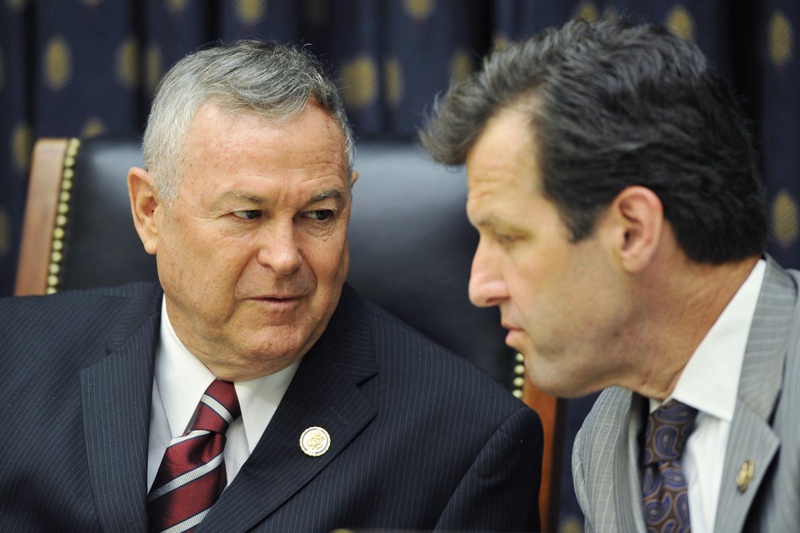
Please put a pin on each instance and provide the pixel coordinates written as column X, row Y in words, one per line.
column 58, row 63
column 360, row 82
column 16, row 5
column 176, row 6
column 781, row 39
column 152, row 68
column 500, row 41
column 419, row 9
column 587, row 11
column 680, row 22
column 784, row 218
column 393, row 72
column 460, row 66
column 571, row 525
column 250, row 12
column 21, row 146
column 128, row 63
column 93, row 127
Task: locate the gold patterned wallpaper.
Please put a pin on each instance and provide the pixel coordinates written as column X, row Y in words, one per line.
column 139, row 66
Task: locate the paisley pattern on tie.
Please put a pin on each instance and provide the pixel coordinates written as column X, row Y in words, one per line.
column 192, row 473
column 666, row 503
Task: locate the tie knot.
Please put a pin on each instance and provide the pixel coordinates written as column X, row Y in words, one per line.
column 668, row 428
column 218, row 407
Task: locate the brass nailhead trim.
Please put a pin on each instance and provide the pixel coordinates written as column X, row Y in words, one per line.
column 519, row 372
column 62, row 210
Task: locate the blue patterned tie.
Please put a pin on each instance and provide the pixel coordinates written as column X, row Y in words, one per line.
column 666, row 502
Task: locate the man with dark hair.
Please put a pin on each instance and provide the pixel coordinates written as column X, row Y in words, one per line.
column 251, row 389
column 622, row 234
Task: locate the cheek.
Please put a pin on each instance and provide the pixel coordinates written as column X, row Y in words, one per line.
column 201, row 261
column 331, row 262
column 540, row 291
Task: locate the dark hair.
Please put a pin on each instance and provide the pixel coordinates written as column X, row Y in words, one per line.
column 612, row 105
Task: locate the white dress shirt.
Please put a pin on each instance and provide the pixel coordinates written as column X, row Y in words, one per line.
column 710, row 384
column 180, row 381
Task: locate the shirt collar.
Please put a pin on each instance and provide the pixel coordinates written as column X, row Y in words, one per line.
column 182, row 379
column 710, row 380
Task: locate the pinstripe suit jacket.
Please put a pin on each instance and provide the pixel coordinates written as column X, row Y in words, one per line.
column 421, row 439
column 765, row 429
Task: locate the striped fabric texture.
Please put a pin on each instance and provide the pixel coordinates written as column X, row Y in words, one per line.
column 192, row 474
column 421, row 439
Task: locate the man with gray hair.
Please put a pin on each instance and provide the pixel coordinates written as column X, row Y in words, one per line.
column 251, row 389
column 622, row 235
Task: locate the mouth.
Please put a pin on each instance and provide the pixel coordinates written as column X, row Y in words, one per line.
column 514, row 337
column 282, row 300
column 277, row 299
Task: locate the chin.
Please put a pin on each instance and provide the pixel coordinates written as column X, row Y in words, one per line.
column 563, row 386
column 550, row 378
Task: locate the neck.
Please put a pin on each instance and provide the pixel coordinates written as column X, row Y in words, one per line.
column 681, row 308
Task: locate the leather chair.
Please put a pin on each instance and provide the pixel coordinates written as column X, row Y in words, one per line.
column 411, row 250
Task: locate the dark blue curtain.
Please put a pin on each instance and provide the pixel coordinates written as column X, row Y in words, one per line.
column 777, row 106
column 83, row 67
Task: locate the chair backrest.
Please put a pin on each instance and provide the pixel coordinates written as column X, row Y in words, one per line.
column 411, row 249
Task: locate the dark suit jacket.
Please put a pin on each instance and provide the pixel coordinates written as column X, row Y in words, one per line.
column 420, row 438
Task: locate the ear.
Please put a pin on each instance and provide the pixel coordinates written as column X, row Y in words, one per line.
column 636, row 219
column 354, row 179
column 144, row 207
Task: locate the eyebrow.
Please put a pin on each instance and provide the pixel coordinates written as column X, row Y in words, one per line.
column 486, row 221
column 492, row 222
column 336, row 194
column 241, row 195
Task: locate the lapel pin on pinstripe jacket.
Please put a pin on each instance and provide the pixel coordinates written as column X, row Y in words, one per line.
column 315, row 441
column 745, row 475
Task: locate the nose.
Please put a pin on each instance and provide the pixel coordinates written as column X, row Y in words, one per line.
column 486, row 286
column 279, row 249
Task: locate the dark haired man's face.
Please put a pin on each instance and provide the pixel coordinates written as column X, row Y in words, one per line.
column 560, row 301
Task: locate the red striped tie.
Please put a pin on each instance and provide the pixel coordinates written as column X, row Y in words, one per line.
column 192, row 473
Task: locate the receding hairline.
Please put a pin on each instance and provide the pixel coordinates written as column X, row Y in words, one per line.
column 266, row 119
column 244, row 77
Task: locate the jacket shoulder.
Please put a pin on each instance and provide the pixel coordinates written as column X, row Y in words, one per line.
column 79, row 322
column 409, row 360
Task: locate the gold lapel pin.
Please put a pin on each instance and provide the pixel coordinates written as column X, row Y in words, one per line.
column 315, row 441
column 745, row 475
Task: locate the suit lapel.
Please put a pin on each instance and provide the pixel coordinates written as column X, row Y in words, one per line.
column 323, row 393
column 610, row 456
column 116, row 396
column 627, row 486
column 751, row 437
column 629, row 500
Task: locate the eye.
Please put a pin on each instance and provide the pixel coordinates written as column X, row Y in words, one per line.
column 320, row 215
column 247, row 214
column 505, row 239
